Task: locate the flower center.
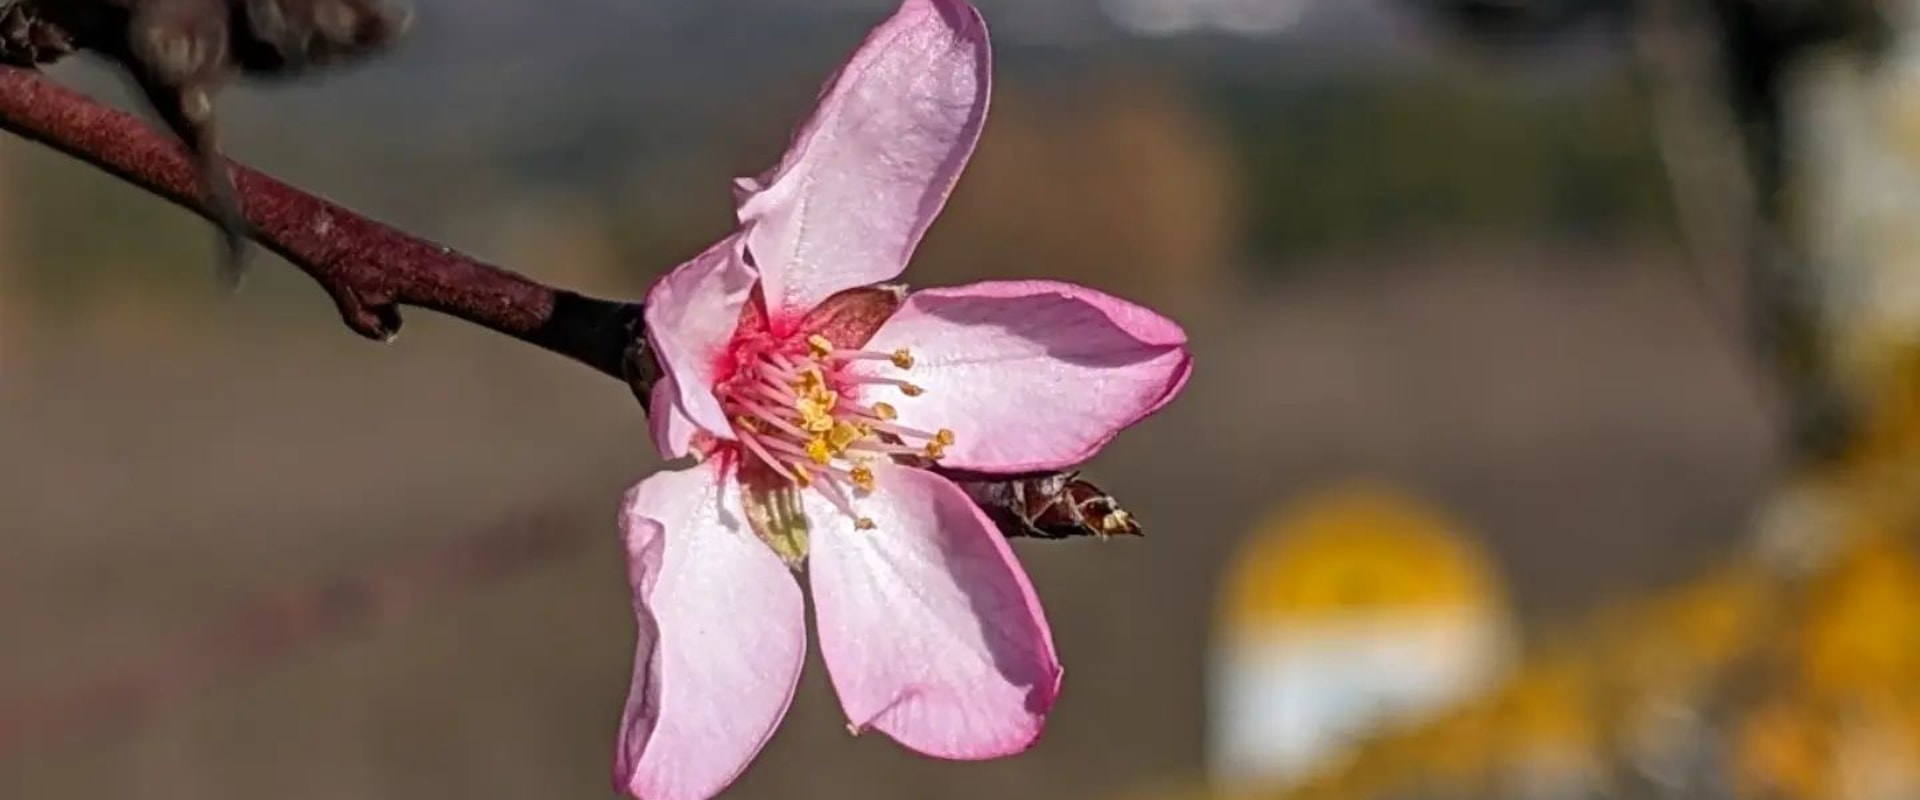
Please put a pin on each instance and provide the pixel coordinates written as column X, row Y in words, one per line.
column 793, row 408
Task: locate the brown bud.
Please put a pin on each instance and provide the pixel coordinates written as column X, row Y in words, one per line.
column 280, row 37
column 1051, row 505
column 27, row 38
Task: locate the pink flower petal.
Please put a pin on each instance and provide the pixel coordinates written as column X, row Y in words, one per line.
column 672, row 429
column 1029, row 375
column 927, row 623
column 869, row 171
column 691, row 314
column 722, row 636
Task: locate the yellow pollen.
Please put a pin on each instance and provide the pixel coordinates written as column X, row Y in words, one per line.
column 903, row 359
column 819, row 345
column 863, row 523
column 944, row 437
column 936, row 450
column 818, row 450
column 816, row 411
column 910, row 390
column 885, row 411
column 810, row 381
column 842, row 435
column 862, row 477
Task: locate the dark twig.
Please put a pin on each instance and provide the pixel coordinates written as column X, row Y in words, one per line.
column 370, row 269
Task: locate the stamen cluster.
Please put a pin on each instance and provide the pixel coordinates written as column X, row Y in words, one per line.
column 793, row 408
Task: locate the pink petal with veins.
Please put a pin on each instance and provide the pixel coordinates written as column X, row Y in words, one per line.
column 928, row 625
column 691, row 314
column 873, row 166
column 722, row 635
column 1029, row 375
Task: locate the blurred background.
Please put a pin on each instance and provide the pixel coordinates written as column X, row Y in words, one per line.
column 1555, row 432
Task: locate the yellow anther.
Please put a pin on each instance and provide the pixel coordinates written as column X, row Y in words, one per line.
column 935, row 450
column 862, row 477
column 910, row 390
column 810, row 381
column 816, row 411
column 885, row 411
column 944, row 437
column 816, row 422
column 818, row 451
column 842, row 435
column 863, row 523
column 903, row 359
column 802, row 478
column 819, row 345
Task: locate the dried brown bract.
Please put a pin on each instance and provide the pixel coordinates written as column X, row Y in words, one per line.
column 1052, row 505
column 181, row 52
column 27, row 39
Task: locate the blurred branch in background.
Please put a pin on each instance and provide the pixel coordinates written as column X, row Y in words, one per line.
column 1516, row 23
column 270, row 630
column 1716, row 74
column 263, row 633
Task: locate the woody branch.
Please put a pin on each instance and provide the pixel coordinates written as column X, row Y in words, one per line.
column 368, row 268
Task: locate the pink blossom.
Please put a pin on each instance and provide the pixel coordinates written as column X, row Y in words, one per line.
column 814, row 398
